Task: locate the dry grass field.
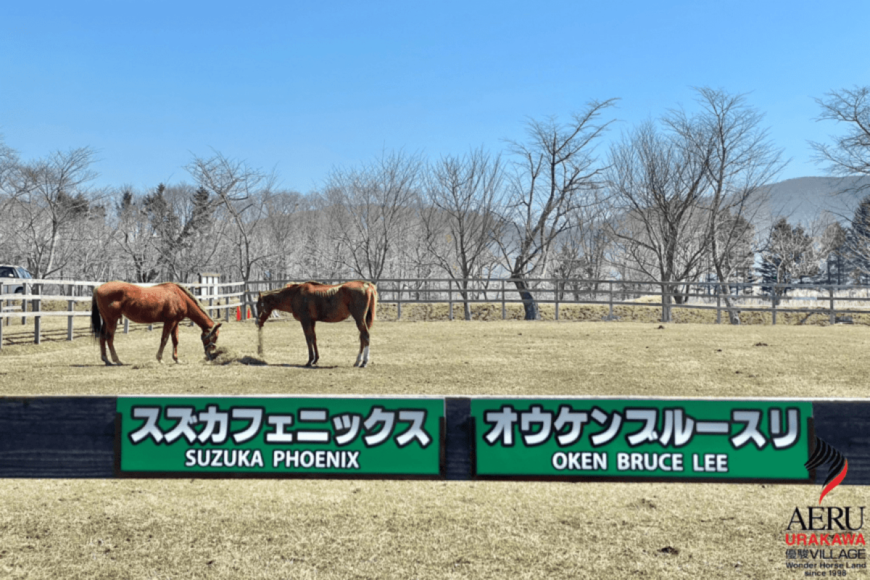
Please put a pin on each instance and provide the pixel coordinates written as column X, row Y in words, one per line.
column 400, row 529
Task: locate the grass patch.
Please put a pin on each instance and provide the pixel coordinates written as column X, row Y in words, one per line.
column 399, row 529
column 464, row 358
column 347, row 529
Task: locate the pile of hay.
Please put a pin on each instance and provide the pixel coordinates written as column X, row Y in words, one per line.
column 226, row 356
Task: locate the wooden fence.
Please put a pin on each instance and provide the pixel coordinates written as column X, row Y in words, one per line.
column 836, row 303
column 216, row 298
column 833, row 301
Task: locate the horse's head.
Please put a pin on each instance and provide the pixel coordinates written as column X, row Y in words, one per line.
column 209, row 339
column 264, row 308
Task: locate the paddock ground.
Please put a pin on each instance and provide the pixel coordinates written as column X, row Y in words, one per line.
column 399, row 529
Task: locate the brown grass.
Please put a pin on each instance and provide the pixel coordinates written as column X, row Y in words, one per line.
column 393, row 529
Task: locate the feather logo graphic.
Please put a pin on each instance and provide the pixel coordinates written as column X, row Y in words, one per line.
column 824, row 454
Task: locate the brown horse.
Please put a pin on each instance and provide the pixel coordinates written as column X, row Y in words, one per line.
column 314, row 302
column 168, row 303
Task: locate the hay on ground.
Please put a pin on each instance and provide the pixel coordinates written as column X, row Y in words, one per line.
column 225, row 356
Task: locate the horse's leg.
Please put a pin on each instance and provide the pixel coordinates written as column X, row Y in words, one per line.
column 314, row 343
column 103, row 333
column 175, row 342
column 362, row 359
column 167, row 329
column 308, row 329
column 110, row 339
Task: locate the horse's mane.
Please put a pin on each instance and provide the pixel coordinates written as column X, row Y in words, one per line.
column 329, row 291
column 192, row 297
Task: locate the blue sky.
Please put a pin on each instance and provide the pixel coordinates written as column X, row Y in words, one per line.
column 300, row 88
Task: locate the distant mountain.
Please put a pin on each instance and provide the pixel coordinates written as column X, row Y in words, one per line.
column 804, row 199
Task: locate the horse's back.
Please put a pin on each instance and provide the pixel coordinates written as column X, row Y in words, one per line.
column 140, row 304
column 329, row 302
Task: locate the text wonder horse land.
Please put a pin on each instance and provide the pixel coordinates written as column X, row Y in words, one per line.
column 168, row 303
column 312, row 302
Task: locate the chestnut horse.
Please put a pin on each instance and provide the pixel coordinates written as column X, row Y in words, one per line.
column 168, row 303
column 313, row 302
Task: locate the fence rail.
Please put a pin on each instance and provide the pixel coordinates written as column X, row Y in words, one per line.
column 38, row 291
column 836, row 302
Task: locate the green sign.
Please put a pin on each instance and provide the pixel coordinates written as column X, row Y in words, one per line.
column 280, row 435
column 745, row 440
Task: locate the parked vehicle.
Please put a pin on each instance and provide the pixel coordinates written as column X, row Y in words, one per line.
column 13, row 272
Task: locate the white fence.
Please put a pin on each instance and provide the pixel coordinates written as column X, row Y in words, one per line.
column 833, row 301
column 226, row 300
column 216, row 298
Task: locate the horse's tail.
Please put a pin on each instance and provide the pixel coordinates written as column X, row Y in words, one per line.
column 96, row 319
column 372, row 292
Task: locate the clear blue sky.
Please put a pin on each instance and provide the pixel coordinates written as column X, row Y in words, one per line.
column 301, row 87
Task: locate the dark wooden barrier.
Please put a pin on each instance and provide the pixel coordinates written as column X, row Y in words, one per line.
column 74, row 437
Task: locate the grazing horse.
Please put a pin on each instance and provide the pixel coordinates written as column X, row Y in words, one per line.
column 313, row 302
column 168, row 303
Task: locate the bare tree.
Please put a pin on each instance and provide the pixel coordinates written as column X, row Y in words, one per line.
column 371, row 206
column 283, row 233
column 849, row 154
column 134, row 238
column 463, row 195
column 241, row 193
column 555, row 174
column 46, row 202
column 658, row 187
column 740, row 163
column 581, row 252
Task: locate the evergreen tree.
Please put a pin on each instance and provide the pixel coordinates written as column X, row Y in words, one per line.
column 858, row 243
column 789, row 256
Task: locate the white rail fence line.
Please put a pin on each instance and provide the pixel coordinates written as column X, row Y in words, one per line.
column 72, row 292
column 746, row 297
column 240, row 297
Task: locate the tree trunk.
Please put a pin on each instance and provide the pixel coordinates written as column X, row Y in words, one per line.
column 666, row 303
column 529, row 304
column 466, row 307
column 733, row 315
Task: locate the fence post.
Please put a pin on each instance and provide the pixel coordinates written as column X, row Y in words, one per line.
column 245, row 302
column 449, row 299
column 37, row 307
column 556, row 298
column 611, row 300
column 126, row 325
column 833, row 313
column 503, row 306
column 27, row 290
column 718, row 304
column 398, row 301
column 71, row 304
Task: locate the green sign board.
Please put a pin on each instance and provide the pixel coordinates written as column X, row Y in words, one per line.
column 657, row 439
column 288, row 436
